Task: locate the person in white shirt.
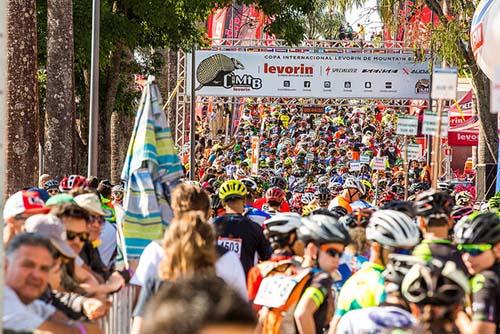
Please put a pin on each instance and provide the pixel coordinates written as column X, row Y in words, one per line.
column 29, row 258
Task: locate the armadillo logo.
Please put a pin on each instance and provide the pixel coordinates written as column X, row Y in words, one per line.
column 218, row 71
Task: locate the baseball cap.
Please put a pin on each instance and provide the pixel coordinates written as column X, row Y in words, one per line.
column 91, row 203
column 60, row 199
column 24, row 201
column 52, row 228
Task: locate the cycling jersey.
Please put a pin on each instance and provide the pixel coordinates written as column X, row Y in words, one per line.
column 256, row 215
column 349, row 264
column 319, row 290
column 364, row 289
column 442, row 249
column 375, row 320
column 361, row 204
column 485, row 288
column 244, row 237
column 342, row 202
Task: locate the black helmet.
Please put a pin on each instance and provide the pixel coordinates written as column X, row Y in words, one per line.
column 480, row 228
column 278, row 181
column 401, row 206
column 417, row 187
column 339, row 211
column 398, row 266
column 215, row 202
column 322, row 229
column 434, row 202
column 435, row 283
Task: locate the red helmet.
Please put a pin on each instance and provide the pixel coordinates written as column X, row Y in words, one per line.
column 275, row 194
column 72, row 182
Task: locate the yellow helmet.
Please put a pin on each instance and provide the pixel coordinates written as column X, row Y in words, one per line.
column 308, row 209
column 232, row 189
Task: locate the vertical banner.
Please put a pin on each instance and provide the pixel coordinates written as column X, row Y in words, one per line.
column 255, row 154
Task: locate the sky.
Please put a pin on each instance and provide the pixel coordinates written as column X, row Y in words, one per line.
column 366, row 15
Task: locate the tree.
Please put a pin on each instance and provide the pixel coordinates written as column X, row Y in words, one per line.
column 324, row 22
column 450, row 40
column 22, row 102
column 60, row 101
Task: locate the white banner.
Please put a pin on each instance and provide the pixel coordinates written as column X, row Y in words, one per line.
column 444, row 83
column 320, row 75
column 407, row 125
column 414, row 152
column 379, row 163
column 431, row 122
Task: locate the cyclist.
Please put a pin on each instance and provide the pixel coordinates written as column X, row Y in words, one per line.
column 236, row 232
column 478, row 237
column 252, row 213
column 325, row 240
column 353, row 189
column 434, row 292
column 280, row 230
column 274, row 198
column 389, row 232
column 52, row 187
column 395, row 311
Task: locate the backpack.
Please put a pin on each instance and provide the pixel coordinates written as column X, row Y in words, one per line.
column 279, row 294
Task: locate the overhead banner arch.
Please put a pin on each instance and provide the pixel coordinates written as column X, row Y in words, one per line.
column 348, row 75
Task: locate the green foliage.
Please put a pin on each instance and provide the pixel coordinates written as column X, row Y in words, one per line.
column 324, row 22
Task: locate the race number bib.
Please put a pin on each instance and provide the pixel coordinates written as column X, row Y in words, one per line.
column 274, row 291
column 231, row 244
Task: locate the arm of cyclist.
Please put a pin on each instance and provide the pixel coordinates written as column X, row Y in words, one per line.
column 304, row 315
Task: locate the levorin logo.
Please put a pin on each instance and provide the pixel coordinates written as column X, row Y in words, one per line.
column 218, row 71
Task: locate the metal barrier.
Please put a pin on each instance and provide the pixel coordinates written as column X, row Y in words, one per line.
column 119, row 318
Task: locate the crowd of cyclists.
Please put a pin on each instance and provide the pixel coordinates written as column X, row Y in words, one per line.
column 305, row 244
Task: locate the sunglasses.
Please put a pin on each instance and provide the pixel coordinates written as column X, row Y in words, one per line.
column 83, row 236
column 98, row 219
column 474, row 249
column 331, row 251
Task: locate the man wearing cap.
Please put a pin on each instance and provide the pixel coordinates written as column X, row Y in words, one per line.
column 17, row 209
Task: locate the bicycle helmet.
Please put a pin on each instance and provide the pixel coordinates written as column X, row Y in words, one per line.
column 250, row 184
column 433, row 202
column 240, row 174
column 323, row 194
column 367, row 185
column 72, row 182
column 392, row 228
column 463, row 198
column 215, row 202
column 232, row 189
column 275, row 194
column 322, row 229
column 461, row 213
column 278, row 181
column 398, row 267
column 310, row 208
column 406, row 207
column 279, row 227
column 445, row 186
column 494, row 202
column 339, row 211
column 51, row 184
column 418, row 187
column 288, row 161
column 478, row 228
column 435, row 283
column 308, row 198
column 353, row 183
column 117, row 188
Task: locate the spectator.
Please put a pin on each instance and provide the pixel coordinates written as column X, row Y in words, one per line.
column 17, row 209
column 198, row 305
column 102, row 230
column 29, row 258
column 189, row 246
column 43, row 178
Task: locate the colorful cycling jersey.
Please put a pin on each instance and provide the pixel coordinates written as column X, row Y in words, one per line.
column 485, row 288
column 364, row 289
column 349, row 265
column 256, row 215
column 376, row 320
column 244, row 237
column 319, row 290
column 340, row 201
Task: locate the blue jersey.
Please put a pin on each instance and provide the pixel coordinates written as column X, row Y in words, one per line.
column 256, row 215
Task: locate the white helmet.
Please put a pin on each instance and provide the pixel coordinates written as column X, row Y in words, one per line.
column 307, row 198
column 283, row 223
column 354, row 183
column 392, row 228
